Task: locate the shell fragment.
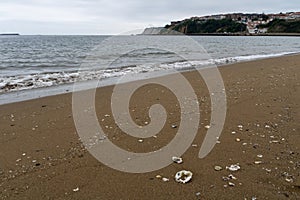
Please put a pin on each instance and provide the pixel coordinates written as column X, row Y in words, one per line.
column 183, row 176
column 234, row 168
column 177, row 160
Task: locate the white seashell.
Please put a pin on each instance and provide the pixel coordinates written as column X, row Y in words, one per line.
column 232, row 177
column 259, row 156
column 258, row 162
column 165, row 179
column 234, row 168
column 177, row 160
column 207, row 126
column 289, row 180
column 183, row 176
column 174, row 126
column 231, row 184
column 140, row 140
column 76, row 189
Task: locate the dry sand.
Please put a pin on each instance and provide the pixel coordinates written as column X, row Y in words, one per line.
column 41, row 156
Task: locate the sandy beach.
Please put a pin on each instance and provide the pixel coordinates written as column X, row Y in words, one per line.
column 42, row 157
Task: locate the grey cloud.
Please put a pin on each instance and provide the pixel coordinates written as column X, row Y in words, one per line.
column 112, row 16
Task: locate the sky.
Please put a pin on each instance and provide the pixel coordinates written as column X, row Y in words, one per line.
column 106, row 17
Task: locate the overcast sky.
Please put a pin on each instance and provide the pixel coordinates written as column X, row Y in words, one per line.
column 118, row 16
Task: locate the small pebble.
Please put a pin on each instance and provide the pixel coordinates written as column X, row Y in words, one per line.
column 158, row 176
column 76, row 189
column 218, row 168
column 174, row 126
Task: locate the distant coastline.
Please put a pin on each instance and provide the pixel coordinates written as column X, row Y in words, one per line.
column 155, row 31
column 233, row 24
column 9, row 34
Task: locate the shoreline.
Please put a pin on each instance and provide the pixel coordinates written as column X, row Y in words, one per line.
column 42, row 157
column 35, row 93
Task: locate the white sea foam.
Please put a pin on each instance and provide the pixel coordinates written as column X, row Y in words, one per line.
column 40, row 80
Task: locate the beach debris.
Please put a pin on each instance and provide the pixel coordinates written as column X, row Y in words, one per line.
column 234, row 167
column 177, row 160
column 218, row 168
column 76, row 189
column 207, row 127
column 174, row 126
column 164, row 179
column 183, row 176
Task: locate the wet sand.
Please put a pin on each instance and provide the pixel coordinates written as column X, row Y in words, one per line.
column 42, row 157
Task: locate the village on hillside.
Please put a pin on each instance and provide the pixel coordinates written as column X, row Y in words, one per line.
column 252, row 21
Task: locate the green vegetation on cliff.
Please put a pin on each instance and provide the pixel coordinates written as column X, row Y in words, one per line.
column 192, row 26
column 282, row 26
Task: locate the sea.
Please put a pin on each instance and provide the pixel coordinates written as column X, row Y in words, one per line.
column 36, row 66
